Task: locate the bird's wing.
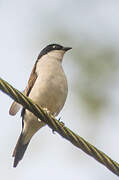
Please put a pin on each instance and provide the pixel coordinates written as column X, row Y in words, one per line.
column 15, row 107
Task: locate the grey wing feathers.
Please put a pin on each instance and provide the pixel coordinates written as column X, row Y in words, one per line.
column 15, row 107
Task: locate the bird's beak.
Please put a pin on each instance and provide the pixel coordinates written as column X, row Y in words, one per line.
column 67, row 48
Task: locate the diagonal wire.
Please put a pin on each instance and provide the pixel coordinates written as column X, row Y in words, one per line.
column 57, row 126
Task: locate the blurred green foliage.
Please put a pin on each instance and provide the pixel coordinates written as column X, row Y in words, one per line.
column 98, row 66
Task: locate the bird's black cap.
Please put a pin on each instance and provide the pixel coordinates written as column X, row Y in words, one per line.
column 52, row 47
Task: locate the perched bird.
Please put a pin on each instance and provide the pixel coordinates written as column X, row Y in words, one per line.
column 47, row 87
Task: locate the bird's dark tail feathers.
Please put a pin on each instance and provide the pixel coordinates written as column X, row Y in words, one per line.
column 19, row 150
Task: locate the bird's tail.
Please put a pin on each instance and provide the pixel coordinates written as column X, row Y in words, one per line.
column 19, row 150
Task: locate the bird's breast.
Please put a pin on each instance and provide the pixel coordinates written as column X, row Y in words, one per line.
column 50, row 88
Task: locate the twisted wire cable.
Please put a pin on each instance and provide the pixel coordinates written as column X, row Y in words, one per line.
column 59, row 127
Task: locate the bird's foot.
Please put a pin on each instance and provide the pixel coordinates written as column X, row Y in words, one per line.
column 46, row 110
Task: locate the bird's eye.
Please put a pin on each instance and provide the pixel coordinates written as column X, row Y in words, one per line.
column 54, row 47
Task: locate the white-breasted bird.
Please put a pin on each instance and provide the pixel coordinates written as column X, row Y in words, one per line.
column 47, row 87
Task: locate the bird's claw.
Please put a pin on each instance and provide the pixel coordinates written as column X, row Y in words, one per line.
column 61, row 122
column 46, row 110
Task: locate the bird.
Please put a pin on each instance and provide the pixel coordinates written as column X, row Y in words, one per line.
column 48, row 88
